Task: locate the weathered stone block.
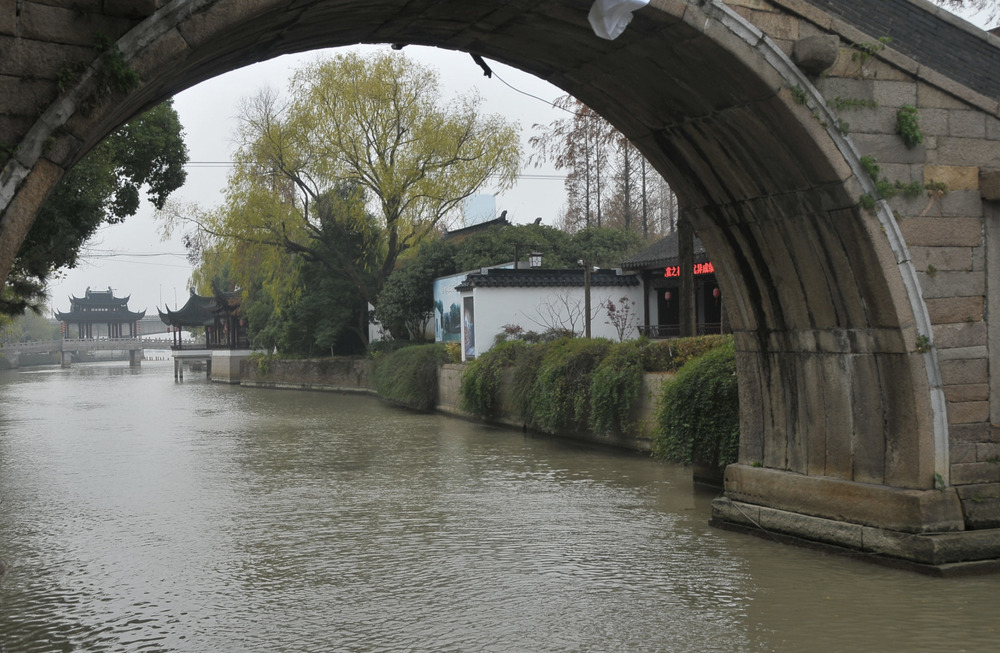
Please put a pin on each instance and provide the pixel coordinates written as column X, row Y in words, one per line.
column 8, row 24
column 968, row 371
column 993, row 128
column 911, row 511
column 962, row 393
column 955, row 177
column 895, row 94
column 967, row 124
column 933, row 122
column 969, row 433
column 989, row 184
column 25, row 96
column 34, row 59
column 968, row 412
column 968, row 152
column 953, row 259
column 962, row 453
column 780, row 27
column 846, row 88
column 972, row 473
column 988, row 452
column 943, row 232
column 881, row 120
column 952, row 284
column 981, row 505
column 890, row 150
column 931, row 96
column 963, row 353
column 962, row 203
column 168, row 47
column 946, row 310
column 960, row 334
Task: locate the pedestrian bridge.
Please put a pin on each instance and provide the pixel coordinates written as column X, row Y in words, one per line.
column 840, row 163
column 69, row 346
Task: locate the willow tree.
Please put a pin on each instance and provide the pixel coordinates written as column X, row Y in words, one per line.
column 365, row 151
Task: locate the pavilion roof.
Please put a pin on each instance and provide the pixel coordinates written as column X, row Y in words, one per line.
column 200, row 310
column 197, row 311
column 99, row 306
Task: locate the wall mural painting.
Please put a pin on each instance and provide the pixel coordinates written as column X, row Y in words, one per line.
column 469, row 345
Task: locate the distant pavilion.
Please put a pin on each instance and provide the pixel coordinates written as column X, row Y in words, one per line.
column 100, row 314
column 220, row 316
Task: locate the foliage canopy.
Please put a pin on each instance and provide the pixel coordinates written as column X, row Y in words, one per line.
column 103, row 188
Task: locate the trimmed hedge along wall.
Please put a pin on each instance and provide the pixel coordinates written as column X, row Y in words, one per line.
column 572, row 385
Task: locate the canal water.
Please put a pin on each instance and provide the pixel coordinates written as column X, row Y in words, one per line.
column 140, row 514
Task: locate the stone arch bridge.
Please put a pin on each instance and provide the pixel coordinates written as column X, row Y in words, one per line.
column 865, row 314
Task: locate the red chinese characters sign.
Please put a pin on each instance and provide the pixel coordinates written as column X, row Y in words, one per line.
column 699, row 268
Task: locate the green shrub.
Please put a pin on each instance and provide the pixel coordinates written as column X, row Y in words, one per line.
column 482, row 378
column 698, row 417
column 574, row 383
column 409, row 376
column 671, row 355
column 559, row 397
column 614, row 387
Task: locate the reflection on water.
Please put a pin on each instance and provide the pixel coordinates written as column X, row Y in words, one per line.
column 139, row 514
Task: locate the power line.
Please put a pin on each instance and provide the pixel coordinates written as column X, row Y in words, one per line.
column 229, row 164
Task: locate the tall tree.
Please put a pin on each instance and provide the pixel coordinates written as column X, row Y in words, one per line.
column 608, row 182
column 103, row 188
column 374, row 127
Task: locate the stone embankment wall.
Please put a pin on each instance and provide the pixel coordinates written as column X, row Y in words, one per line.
column 330, row 374
column 353, row 375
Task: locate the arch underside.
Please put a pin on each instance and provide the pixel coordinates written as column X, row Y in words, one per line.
column 829, row 386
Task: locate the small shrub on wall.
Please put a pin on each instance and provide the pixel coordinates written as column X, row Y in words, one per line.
column 698, row 420
column 614, row 387
column 483, row 377
column 409, row 376
column 559, row 397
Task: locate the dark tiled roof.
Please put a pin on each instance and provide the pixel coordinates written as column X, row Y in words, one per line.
column 662, row 253
column 544, row 278
column 476, row 228
column 99, row 306
column 200, row 310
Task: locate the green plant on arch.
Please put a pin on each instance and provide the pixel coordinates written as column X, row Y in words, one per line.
column 908, row 126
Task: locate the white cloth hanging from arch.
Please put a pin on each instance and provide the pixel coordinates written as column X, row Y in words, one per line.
column 609, row 18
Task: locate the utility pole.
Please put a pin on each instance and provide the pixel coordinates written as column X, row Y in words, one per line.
column 685, row 247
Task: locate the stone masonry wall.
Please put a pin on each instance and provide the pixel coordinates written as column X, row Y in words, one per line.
column 333, row 374
column 947, row 228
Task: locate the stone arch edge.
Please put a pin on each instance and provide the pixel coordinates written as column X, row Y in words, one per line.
column 822, row 514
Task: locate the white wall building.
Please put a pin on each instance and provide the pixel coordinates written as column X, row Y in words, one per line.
column 544, row 299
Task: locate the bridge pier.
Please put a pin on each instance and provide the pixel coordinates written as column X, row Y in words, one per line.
column 66, row 357
column 135, row 357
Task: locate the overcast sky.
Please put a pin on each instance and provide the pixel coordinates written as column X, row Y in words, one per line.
column 132, row 259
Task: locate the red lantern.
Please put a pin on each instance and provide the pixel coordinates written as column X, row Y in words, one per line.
column 716, row 293
column 667, row 295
